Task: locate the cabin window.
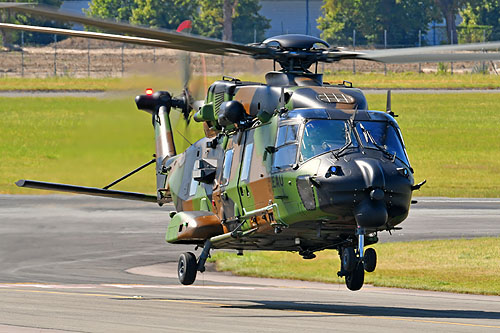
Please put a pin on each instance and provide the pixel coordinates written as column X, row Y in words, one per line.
column 321, row 136
column 247, row 161
column 193, row 187
column 228, row 161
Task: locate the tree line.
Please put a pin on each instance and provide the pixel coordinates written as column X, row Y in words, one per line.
column 402, row 20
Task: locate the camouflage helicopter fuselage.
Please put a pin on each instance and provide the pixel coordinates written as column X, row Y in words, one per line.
column 259, row 182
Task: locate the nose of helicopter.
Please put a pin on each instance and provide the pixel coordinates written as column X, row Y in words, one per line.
column 371, row 212
column 375, row 191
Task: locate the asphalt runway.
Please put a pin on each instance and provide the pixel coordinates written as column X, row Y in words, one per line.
column 84, row 264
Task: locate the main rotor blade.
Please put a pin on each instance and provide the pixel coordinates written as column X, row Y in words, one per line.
column 432, row 57
column 13, row 4
column 94, row 35
column 422, row 54
column 187, row 42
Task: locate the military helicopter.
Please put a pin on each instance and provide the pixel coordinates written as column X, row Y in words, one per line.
column 292, row 164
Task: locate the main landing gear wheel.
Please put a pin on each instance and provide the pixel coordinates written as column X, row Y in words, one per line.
column 349, row 259
column 187, row 268
column 355, row 279
column 370, row 260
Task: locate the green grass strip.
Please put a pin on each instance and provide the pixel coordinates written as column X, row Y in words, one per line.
column 83, row 141
column 408, row 80
column 412, row 80
column 462, row 265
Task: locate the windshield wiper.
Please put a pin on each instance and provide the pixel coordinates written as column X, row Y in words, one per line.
column 369, row 138
column 351, row 143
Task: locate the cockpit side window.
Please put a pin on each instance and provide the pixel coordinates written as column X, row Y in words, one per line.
column 286, row 144
column 291, row 133
column 285, row 157
column 281, row 136
column 287, row 134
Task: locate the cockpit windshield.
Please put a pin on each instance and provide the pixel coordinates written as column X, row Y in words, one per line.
column 382, row 135
column 323, row 135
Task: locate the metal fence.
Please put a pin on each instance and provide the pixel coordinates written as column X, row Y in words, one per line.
column 79, row 57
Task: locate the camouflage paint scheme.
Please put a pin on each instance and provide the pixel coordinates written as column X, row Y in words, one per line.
column 259, row 206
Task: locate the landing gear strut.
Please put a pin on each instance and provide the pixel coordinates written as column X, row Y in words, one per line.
column 188, row 266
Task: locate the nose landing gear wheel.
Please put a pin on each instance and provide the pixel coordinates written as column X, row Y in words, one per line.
column 187, row 268
column 354, row 281
column 370, row 260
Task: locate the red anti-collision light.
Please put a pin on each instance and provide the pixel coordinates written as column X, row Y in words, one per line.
column 149, row 91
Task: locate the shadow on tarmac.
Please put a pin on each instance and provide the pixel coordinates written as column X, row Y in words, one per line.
column 344, row 309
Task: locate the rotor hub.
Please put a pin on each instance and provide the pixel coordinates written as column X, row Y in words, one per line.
column 294, row 52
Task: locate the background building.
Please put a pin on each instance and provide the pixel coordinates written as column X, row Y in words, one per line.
column 290, row 16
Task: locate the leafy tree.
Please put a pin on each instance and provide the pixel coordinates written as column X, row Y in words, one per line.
column 336, row 21
column 207, row 15
column 485, row 16
column 449, row 9
column 10, row 37
column 166, row 14
column 245, row 20
column 401, row 18
column 120, row 11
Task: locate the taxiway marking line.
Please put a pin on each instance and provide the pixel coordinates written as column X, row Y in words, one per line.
column 457, row 201
column 333, row 314
column 115, row 296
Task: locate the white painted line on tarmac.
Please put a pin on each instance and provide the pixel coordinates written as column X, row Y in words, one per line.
column 487, row 201
column 120, row 286
column 133, row 286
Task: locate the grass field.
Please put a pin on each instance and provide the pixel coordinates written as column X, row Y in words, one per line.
column 464, row 265
column 74, row 140
column 363, row 80
column 138, row 83
column 453, row 141
column 416, row 80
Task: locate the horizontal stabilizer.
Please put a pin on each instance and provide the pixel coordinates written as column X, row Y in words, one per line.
column 86, row 190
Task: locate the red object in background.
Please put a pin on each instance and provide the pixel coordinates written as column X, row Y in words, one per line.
column 184, row 25
column 149, row 91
